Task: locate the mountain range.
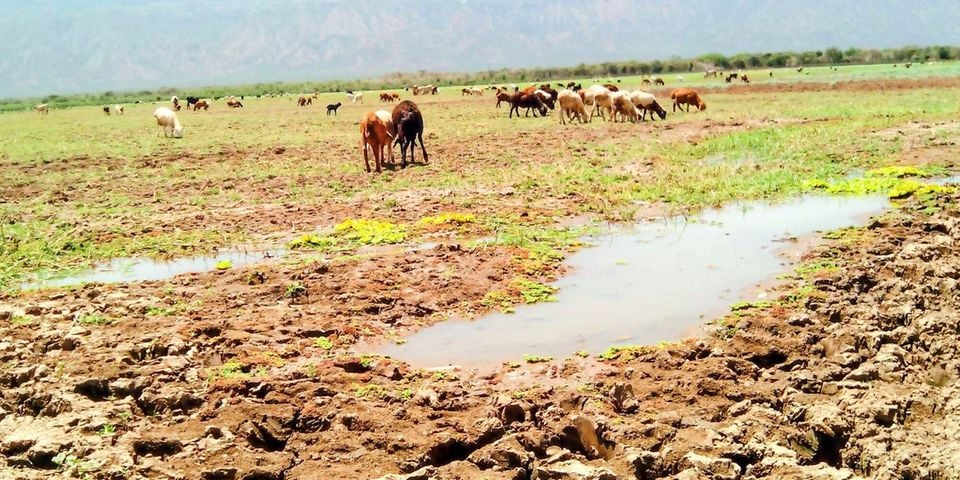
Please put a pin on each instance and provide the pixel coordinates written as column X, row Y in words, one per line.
column 71, row 46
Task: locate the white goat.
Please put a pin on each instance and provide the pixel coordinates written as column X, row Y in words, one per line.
column 42, row 109
column 167, row 118
column 355, row 97
column 118, row 109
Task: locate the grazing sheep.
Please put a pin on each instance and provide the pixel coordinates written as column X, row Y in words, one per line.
column 374, row 134
column 658, row 81
column 547, row 98
column 476, row 91
column 106, row 111
column 623, row 108
column 234, row 103
column 528, row 101
column 503, row 97
column 908, row 65
column 425, row 90
column 176, row 102
column 465, row 91
column 333, row 108
column 201, row 104
column 731, row 77
column 600, row 98
column 710, row 73
column 355, row 97
column 611, row 87
column 799, row 69
column 571, row 105
column 167, row 118
column 687, row 96
column 744, row 79
column 648, row 103
column 118, row 109
column 304, row 101
column 409, row 130
column 385, row 97
column 42, row 109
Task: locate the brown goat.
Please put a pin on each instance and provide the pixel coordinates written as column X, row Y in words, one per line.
column 658, row 81
column 528, row 101
column 201, row 104
column 744, row 79
column 503, row 97
column 687, row 96
column 374, row 133
column 234, row 103
column 304, row 101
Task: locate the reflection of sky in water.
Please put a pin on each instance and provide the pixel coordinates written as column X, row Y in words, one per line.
column 141, row 269
column 652, row 283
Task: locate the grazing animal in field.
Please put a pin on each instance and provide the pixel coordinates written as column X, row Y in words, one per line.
column 201, row 104
column 908, row 65
column 106, row 111
column 167, row 120
column 333, row 108
column 611, row 87
column 388, row 97
column 771, row 73
column 658, row 81
column 304, row 101
column 547, row 98
column 118, row 109
column 745, row 79
column 687, row 96
column 375, row 134
column 799, row 69
column 710, row 73
column 465, row 91
column 355, row 97
column 503, row 97
column 646, row 81
column 42, row 109
column 408, row 122
column 176, row 102
column 571, row 105
column 191, row 101
column 570, row 85
column 731, row 77
column 647, row 103
column 234, row 103
column 623, row 108
column 528, row 101
column 476, row 91
column 599, row 97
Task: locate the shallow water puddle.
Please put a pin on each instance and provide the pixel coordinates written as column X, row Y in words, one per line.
column 655, row 282
column 122, row 270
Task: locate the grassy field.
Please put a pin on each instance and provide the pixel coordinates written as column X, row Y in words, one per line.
column 81, row 187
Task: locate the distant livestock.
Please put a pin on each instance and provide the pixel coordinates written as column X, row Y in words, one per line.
column 744, row 79
column 408, row 122
column 503, row 97
column 106, row 110
column 304, row 101
column 201, row 104
column 647, row 103
column 571, row 106
column 710, row 73
column 176, row 102
column 424, row 90
column 528, row 101
column 42, row 109
column 333, row 108
column 167, row 120
column 355, row 97
column 192, row 102
column 389, row 97
column 234, row 103
column 687, row 96
column 118, row 109
column 658, row 81
column 375, row 134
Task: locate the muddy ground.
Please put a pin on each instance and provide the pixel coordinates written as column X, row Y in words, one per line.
column 856, row 376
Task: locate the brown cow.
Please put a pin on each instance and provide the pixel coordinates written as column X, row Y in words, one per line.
column 303, row 101
column 687, row 96
column 201, row 104
column 234, row 103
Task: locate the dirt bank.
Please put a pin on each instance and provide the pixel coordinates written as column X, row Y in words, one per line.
column 855, row 374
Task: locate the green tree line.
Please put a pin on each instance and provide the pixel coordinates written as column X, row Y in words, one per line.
column 829, row 56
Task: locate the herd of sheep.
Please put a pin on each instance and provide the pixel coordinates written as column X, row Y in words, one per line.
column 403, row 126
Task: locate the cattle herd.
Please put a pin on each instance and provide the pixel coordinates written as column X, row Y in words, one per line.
column 403, row 126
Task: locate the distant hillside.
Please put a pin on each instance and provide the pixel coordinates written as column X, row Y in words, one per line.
column 64, row 46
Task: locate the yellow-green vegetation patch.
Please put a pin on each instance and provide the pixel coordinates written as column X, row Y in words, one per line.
column 919, row 190
column 323, row 342
column 94, row 319
column 740, row 306
column 370, row 232
column 311, row 240
column 498, row 299
column 625, row 352
column 532, row 291
column 810, row 269
column 448, row 218
column 230, row 369
column 536, row 358
column 223, row 265
column 20, row 320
